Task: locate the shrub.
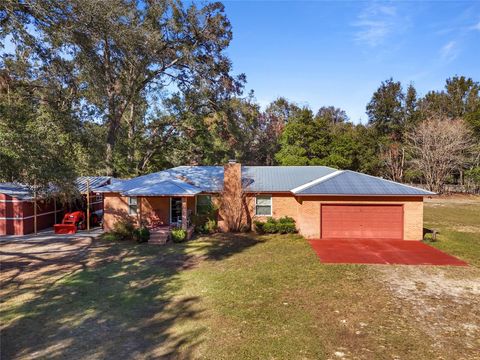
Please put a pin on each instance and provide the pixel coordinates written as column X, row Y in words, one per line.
column 270, row 227
column 286, row 220
column 286, row 228
column 210, row 226
column 259, row 227
column 141, row 235
column 178, row 235
column 124, row 229
column 204, row 224
column 284, row 225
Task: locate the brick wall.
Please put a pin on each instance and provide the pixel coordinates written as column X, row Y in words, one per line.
column 153, row 209
column 307, row 214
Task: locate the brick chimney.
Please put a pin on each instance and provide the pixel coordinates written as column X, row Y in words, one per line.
column 231, row 209
column 232, row 176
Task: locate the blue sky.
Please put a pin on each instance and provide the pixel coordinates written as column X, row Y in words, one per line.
column 336, row 53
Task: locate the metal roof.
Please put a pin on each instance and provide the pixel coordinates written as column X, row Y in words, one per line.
column 281, row 178
column 24, row 192
column 164, row 188
column 95, row 182
column 194, row 178
column 300, row 180
column 349, row 182
column 16, row 190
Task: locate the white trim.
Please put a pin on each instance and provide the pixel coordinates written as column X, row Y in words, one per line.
column 29, row 217
column 316, row 181
column 130, row 205
column 271, row 205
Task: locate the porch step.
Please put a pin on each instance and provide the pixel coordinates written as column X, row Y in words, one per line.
column 159, row 236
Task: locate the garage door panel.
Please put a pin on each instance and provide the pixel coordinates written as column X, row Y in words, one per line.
column 362, row 221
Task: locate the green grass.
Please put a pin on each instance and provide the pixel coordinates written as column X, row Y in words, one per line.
column 459, row 227
column 218, row 297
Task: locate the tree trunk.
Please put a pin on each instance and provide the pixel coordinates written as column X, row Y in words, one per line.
column 111, row 140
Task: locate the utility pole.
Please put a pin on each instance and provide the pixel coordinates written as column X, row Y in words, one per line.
column 35, row 207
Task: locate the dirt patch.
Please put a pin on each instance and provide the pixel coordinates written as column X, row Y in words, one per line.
column 445, row 302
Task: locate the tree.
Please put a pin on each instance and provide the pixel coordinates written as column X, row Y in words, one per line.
column 271, row 123
column 386, row 111
column 38, row 135
column 304, row 141
column 332, row 114
column 412, row 114
column 308, row 140
column 119, row 50
column 463, row 96
column 439, row 147
column 393, row 158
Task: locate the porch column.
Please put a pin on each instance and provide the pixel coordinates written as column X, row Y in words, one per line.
column 139, row 209
column 184, row 213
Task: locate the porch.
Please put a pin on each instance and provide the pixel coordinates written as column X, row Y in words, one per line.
column 163, row 213
column 158, row 205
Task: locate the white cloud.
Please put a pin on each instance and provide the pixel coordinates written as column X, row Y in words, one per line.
column 375, row 23
column 449, row 51
column 476, row 26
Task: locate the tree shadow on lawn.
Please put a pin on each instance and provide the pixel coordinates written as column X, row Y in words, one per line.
column 125, row 305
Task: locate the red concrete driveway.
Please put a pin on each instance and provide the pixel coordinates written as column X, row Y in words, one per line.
column 381, row 252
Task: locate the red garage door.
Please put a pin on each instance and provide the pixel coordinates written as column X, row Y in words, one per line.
column 362, row 222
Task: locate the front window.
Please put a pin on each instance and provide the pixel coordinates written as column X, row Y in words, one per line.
column 132, row 205
column 204, row 204
column 263, row 205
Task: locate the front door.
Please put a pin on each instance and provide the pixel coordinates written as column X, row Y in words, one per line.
column 176, row 210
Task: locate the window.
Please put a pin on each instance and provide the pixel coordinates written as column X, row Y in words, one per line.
column 132, row 205
column 204, row 204
column 263, row 205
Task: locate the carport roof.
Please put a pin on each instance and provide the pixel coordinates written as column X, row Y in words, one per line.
column 347, row 182
column 25, row 192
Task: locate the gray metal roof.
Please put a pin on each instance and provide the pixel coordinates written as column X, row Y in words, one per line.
column 300, row 180
column 95, row 182
column 353, row 183
column 16, row 190
column 165, row 188
column 24, row 192
column 281, row 178
column 201, row 178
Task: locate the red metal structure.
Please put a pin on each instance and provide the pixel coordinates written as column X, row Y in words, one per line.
column 17, row 215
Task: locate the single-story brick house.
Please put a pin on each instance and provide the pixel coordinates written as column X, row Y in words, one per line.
column 17, row 205
column 326, row 203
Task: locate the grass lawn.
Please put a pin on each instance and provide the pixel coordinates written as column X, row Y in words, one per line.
column 237, row 297
column 459, row 226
